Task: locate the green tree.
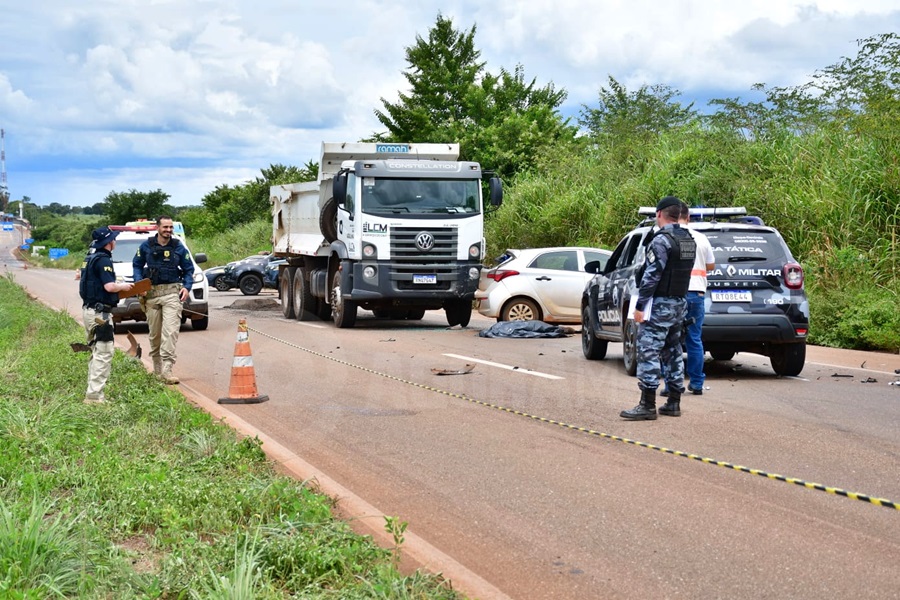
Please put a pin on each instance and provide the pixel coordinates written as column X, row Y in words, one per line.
column 501, row 121
column 643, row 114
column 122, row 207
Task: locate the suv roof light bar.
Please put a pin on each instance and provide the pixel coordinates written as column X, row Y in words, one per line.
column 725, row 211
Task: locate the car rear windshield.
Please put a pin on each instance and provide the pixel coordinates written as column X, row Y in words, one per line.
column 730, row 246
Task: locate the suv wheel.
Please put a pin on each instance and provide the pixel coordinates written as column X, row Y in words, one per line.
column 629, row 346
column 593, row 348
column 788, row 359
column 200, row 324
column 250, row 284
column 220, row 284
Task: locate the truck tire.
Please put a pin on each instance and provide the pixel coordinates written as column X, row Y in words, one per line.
column 328, row 220
column 788, row 359
column 342, row 311
column 592, row 348
column 629, row 346
column 459, row 312
column 286, row 292
column 305, row 306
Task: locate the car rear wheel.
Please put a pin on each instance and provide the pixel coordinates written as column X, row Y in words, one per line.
column 250, row 284
column 593, row 348
column 788, row 359
column 629, row 346
column 520, row 309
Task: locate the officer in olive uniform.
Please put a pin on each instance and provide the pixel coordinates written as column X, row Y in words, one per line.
column 165, row 261
column 99, row 289
column 669, row 260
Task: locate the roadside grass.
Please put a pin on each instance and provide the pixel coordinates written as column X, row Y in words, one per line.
column 148, row 496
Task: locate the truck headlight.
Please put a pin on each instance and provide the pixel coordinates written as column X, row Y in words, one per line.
column 369, row 251
column 473, row 272
column 475, row 251
column 369, row 272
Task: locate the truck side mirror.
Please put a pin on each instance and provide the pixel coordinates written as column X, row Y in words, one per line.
column 339, row 187
column 496, row 191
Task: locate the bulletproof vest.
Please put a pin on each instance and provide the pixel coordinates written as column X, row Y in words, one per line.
column 163, row 262
column 677, row 275
column 90, row 286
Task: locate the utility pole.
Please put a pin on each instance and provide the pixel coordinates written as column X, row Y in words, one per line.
column 4, row 191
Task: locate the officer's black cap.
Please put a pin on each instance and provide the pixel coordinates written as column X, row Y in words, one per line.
column 667, row 202
column 102, row 236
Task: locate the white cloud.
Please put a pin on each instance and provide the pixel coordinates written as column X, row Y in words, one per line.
column 184, row 95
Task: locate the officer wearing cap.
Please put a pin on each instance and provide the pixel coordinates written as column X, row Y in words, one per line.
column 660, row 310
column 165, row 261
column 99, row 293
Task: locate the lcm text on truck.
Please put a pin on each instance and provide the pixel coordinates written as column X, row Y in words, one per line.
column 397, row 229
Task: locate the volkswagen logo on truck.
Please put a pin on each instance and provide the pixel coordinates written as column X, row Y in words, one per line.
column 424, row 241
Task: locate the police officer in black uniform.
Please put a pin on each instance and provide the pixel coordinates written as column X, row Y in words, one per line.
column 99, row 293
column 661, row 293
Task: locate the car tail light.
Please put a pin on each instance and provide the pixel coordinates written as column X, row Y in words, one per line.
column 793, row 276
column 500, row 275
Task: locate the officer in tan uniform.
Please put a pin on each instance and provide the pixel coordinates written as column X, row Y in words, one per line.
column 166, row 262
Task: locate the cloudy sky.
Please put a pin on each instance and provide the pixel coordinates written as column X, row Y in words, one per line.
column 185, row 95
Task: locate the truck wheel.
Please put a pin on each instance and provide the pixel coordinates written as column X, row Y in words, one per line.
column 250, row 284
column 328, row 220
column 788, row 359
column 305, row 306
column 200, row 324
column 459, row 312
column 592, row 348
column 286, row 292
column 629, row 346
column 342, row 311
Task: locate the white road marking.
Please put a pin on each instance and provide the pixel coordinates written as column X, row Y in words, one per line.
column 502, row 366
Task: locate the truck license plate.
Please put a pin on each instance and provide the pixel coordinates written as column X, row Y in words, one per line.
column 731, row 296
column 424, row 278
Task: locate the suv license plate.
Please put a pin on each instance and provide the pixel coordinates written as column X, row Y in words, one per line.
column 426, row 279
column 731, row 295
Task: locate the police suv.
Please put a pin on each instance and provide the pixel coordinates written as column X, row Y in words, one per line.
column 755, row 301
column 130, row 238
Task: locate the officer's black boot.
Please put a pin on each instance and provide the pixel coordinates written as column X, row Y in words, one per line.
column 645, row 411
column 672, row 407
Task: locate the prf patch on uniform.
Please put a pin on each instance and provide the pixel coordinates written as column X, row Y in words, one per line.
column 108, row 269
column 651, row 256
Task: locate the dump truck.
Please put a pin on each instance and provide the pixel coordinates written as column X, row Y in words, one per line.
column 397, row 229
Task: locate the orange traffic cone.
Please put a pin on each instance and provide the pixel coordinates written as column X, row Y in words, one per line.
column 243, row 378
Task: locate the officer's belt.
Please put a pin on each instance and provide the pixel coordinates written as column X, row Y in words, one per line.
column 164, row 289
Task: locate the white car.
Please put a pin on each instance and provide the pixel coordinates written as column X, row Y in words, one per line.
column 537, row 284
column 131, row 236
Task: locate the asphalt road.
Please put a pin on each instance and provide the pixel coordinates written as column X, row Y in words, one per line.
column 521, row 472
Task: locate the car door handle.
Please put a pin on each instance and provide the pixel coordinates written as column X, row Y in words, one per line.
column 543, row 278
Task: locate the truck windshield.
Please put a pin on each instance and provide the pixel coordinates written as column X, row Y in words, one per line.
column 420, row 196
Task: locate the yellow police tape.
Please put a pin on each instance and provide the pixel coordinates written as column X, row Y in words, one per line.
column 719, row 463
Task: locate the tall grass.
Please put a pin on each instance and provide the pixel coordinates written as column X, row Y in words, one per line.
column 148, row 497
column 833, row 195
